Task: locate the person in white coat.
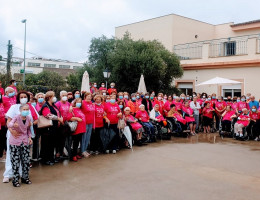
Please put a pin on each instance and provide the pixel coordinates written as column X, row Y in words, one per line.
column 195, row 106
column 22, row 98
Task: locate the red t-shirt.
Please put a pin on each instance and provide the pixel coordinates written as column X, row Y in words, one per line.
column 208, row 112
column 244, row 122
column 81, row 127
column 241, row 105
column 64, row 109
column 143, row 115
column 228, row 115
column 254, row 115
column 8, row 102
column 2, row 91
column 99, row 115
column 189, row 111
column 220, row 105
column 112, row 110
column 110, row 90
column 2, row 115
column 88, row 108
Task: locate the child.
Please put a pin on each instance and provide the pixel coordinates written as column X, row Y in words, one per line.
column 20, row 145
column 207, row 116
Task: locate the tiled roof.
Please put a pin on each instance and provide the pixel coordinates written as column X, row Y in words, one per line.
column 245, row 23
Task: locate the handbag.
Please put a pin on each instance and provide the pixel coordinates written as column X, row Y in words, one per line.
column 72, row 125
column 43, row 122
column 121, row 123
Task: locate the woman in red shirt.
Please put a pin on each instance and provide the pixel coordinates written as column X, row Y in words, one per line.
column 3, row 129
column 113, row 112
column 220, row 107
column 207, row 113
column 88, row 108
column 77, row 115
column 252, row 127
column 227, row 117
column 188, row 116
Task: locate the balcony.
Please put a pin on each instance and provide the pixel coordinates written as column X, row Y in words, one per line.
column 233, row 49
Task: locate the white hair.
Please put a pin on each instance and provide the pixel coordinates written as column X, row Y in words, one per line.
column 127, row 108
column 142, row 105
column 63, row 92
column 8, row 89
column 40, row 93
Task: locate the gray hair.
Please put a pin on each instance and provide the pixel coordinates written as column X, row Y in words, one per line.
column 63, row 92
column 23, row 105
column 8, row 89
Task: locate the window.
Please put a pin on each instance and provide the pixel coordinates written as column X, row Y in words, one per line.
column 64, row 66
column 186, row 88
column 31, row 64
column 50, row 65
column 230, row 48
column 231, row 90
column 76, row 67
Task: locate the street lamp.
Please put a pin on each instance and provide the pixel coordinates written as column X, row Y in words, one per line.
column 106, row 74
column 24, row 21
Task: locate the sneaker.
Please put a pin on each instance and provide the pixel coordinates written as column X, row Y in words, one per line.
column 237, row 134
column 85, row 154
column 74, row 158
column 114, row 151
column 241, row 135
column 97, row 152
column 6, row 180
column 256, row 139
column 107, row 151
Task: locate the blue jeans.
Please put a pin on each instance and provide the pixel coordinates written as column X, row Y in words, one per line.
column 150, row 127
column 86, row 138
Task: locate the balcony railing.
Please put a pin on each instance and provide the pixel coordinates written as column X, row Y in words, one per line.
column 189, row 51
column 218, row 48
column 228, row 47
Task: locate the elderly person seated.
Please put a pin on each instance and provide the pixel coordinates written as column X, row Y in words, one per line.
column 242, row 121
column 156, row 116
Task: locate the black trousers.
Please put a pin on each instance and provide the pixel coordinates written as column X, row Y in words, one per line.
column 226, row 125
column 36, row 144
column 47, row 144
column 2, row 140
column 114, row 144
column 95, row 141
column 76, row 139
column 256, row 129
column 252, row 131
column 60, row 138
column 217, row 118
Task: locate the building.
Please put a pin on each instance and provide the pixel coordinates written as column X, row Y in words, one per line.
column 206, row 51
column 36, row 65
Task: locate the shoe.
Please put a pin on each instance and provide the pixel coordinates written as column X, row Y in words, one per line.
column 97, row 152
column 237, row 134
column 26, row 181
column 85, row 154
column 74, row 158
column 241, row 135
column 114, row 151
column 79, row 156
column 256, row 139
column 6, row 180
column 16, row 184
column 107, row 151
column 49, row 163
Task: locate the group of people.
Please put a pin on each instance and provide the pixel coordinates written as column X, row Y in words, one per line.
column 70, row 128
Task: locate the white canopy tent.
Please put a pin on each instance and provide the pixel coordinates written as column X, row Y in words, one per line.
column 85, row 82
column 219, row 81
column 142, row 87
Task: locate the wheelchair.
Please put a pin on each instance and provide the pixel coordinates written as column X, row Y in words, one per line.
column 161, row 132
column 177, row 130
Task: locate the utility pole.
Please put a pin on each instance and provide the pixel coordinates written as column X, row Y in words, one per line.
column 9, row 60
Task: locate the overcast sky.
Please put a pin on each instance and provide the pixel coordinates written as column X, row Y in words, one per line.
column 63, row 29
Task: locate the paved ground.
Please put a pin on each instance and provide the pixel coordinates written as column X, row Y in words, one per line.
column 196, row 168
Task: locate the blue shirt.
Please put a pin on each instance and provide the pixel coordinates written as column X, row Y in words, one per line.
column 254, row 103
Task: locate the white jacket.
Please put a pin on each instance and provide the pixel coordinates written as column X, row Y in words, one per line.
column 195, row 108
column 152, row 114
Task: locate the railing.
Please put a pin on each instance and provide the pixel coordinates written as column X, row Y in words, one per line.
column 188, row 51
column 228, row 47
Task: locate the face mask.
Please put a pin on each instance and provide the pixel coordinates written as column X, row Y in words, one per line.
column 112, row 100
column 165, row 98
column 40, row 100
column 77, row 96
column 120, row 97
column 247, row 97
column 25, row 113
column 213, row 97
column 153, row 93
column 137, row 97
column 133, row 98
column 126, row 97
column 104, row 94
column 142, row 96
column 11, row 94
column 242, row 99
column 204, row 97
column 147, row 97
column 54, row 99
column 159, row 98
column 238, row 100
column 111, row 86
column 95, row 85
column 209, row 99
column 64, row 98
column 98, row 104
column 15, row 84
column 219, row 100
column 254, row 110
column 78, row 105
column 121, row 106
column 152, row 98
column 23, row 100
column 188, row 98
column 70, row 100
column 182, row 97
column 194, row 96
column 102, row 85
column 108, row 100
column 33, row 104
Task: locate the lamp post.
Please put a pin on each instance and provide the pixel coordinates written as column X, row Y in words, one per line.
column 24, row 21
column 106, row 74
